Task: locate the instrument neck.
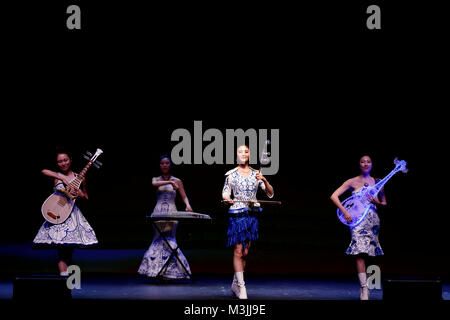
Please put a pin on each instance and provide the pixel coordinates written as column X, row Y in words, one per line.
column 79, row 178
column 380, row 184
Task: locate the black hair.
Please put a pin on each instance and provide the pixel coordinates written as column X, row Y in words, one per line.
column 62, row 150
column 165, row 156
column 243, row 145
column 364, row 155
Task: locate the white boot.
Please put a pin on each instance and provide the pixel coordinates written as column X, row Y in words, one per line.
column 64, row 273
column 241, row 285
column 364, row 293
column 234, row 286
column 364, row 290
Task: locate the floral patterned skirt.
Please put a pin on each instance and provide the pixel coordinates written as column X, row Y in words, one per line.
column 75, row 231
column 159, row 253
column 365, row 236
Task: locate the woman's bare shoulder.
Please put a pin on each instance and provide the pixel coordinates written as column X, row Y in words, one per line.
column 352, row 182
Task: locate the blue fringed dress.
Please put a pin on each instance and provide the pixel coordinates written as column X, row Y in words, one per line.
column 242, row 220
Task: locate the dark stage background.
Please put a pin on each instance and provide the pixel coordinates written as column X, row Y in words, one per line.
column 132, row 75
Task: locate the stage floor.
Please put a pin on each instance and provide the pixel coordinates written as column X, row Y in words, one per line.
column 112, row 275
column 113, row 287
column 120, row 287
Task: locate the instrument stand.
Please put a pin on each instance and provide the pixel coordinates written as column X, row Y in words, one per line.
column 173, row 253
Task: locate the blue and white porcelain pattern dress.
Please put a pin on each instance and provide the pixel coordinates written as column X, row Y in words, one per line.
column 242, row 220
column 158, row 252
column 75, row 231
column 365, row 235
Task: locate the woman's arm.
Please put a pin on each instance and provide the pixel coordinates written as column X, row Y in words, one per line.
column 55, row 175
column 380, row 199
column 335, row 198
column 82, row 192
column 183, row 195
column 156, row 183
column 226, row 192
column 268, row 188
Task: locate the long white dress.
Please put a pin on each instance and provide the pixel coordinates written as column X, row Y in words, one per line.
column 158, row 253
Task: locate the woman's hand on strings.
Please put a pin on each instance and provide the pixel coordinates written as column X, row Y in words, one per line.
column 347, row 216
column 64, row 181
column 372, row 199
column 75, row 192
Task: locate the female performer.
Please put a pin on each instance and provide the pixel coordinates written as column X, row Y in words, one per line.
column 243, row 181
column 158, row 253
column 364, row 240
column 75, row 231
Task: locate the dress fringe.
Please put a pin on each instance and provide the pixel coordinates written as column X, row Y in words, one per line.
column 241, row 229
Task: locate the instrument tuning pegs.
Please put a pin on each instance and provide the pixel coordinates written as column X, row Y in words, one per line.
column 88, row 156
column 97, row 164
column 401, row 163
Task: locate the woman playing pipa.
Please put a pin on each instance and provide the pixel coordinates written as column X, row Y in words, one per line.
column 75, row 231
column 364, row 236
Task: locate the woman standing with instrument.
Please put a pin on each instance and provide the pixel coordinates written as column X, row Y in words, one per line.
column 75, row 231
column 243, row 181
column 364, row 240
column 155, row 259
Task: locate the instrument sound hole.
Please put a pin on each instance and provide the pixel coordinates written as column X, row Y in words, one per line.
column 52, row 215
